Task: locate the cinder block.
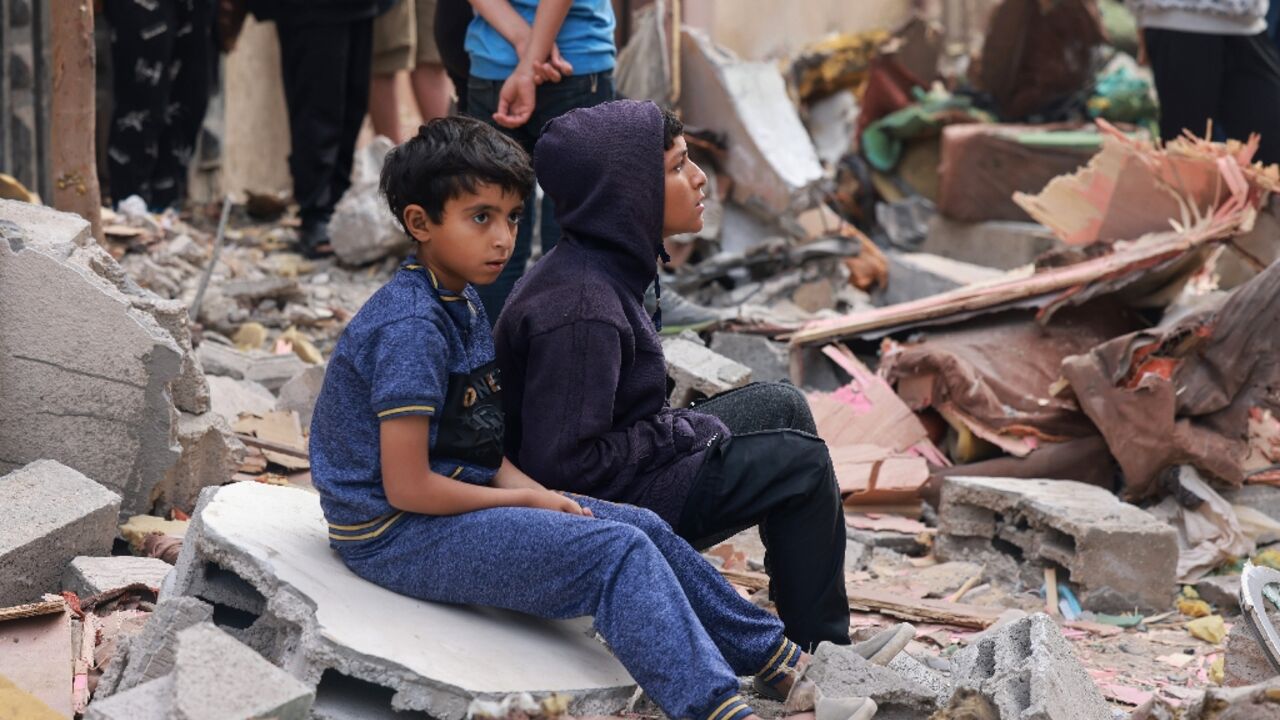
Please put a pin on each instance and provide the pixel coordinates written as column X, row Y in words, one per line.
column 695, row 370
column 49, row 515
column 1028, row 671
column 149, row 655
column 768, row 360
column 840, row 672
column 151, row 701
column 217, row 678
column 1119, row 556
column 211, row 453
column 89, row 576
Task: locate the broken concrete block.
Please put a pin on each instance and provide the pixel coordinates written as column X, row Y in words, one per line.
column 1028, row 671
column 80, row 360
column 317, row 618
column 1000, row 244
column 230, row 397
column 210, row 455
column 49, row 515
column 152, row 701
column 150, row 654
column 916, row 275
column 190, row 390
column 272, row 371
column 362, row 228
column 217, row 678
column 1263, row 498
column 1117, row 555
column 768, row 360
column 300, row 393
column 88, row 576
column 840, row 672
column 696, row 369
column 1221, row 591
column 771, row 159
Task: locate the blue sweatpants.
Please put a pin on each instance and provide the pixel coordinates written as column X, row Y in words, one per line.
column 681, row 631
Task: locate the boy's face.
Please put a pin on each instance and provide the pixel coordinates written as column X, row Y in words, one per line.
column 473, row 240
column 682, row 206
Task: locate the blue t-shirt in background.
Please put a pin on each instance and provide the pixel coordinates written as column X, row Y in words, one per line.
column 394, row 358
column 585, row 40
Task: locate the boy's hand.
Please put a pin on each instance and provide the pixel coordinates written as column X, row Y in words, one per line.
column 552, row 69
column 554, row 501
column 517, row 98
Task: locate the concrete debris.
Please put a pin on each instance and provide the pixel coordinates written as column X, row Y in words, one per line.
column 257, row 289
column 362, row 229
column 49, row 515
column 271, row 371
column 150, row 654
column 767, row 359
column 840, row 672
column 102, row 377
column 699, row 371
column 1220, row 591
column 1246, row 660
column 300, row 393
column 1069, row 525
column 310, row 614
column 770, row 156
column 213, row 677
column 1260, row 701
column 210, row 455
column 90, row 576
column 231, row 398
column 1028, row 671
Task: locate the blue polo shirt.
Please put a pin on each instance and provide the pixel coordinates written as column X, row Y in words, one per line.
column 395, row 358
column 585, row 40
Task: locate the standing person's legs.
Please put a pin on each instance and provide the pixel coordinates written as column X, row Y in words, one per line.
column 358, row 74
column 142, row 37
column 451, row 21
column 393, row 43
column 431, row 86
column 193, row 57
column 783, row 481
column 1250, row 100
column 556, row 565
column 314, row 61
column 1187, row 68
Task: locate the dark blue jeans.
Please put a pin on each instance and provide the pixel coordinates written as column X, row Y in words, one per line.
column 554, row 100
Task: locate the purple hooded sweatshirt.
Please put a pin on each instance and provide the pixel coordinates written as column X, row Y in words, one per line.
column 584, row 382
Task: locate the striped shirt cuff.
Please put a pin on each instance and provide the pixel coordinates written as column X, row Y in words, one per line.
column 732, row 708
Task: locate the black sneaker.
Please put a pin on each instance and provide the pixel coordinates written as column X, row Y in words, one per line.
column 313, row 240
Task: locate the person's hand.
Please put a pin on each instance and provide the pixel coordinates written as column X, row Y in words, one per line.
column 553, row 69
column 517, row 98
column 554, row 501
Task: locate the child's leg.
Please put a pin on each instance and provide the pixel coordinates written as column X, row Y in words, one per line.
column 556, row 565
column 749, row 638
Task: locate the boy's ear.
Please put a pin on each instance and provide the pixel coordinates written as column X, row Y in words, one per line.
column 415, row 218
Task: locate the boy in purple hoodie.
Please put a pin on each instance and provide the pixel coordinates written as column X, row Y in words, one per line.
column 585, row 381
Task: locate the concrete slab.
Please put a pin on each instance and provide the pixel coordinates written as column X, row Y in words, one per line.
column 81, row 356
column 699, row 370
column 272, row 371
column 300, row 393
column 88, row 576
column 318, row 616
column 773, row 163
column 152, row 701
column 1117, row 555
column 218, row 678
column 230, row 397
column 49, row 515
column 1028, row 671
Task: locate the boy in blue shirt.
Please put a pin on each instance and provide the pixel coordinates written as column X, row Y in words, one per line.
column 407, row 454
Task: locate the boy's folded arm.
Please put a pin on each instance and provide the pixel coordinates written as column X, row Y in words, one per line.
column 411, row 485
column 569, row 441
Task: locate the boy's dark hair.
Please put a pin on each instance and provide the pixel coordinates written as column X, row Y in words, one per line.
column 672, row 128
column 450, row 156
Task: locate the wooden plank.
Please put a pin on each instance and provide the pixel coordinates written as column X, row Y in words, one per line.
column 71, row 127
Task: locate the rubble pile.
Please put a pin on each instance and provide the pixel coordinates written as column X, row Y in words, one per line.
column 1040, row 346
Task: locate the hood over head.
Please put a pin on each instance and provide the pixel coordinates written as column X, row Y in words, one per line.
column 602, row 166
